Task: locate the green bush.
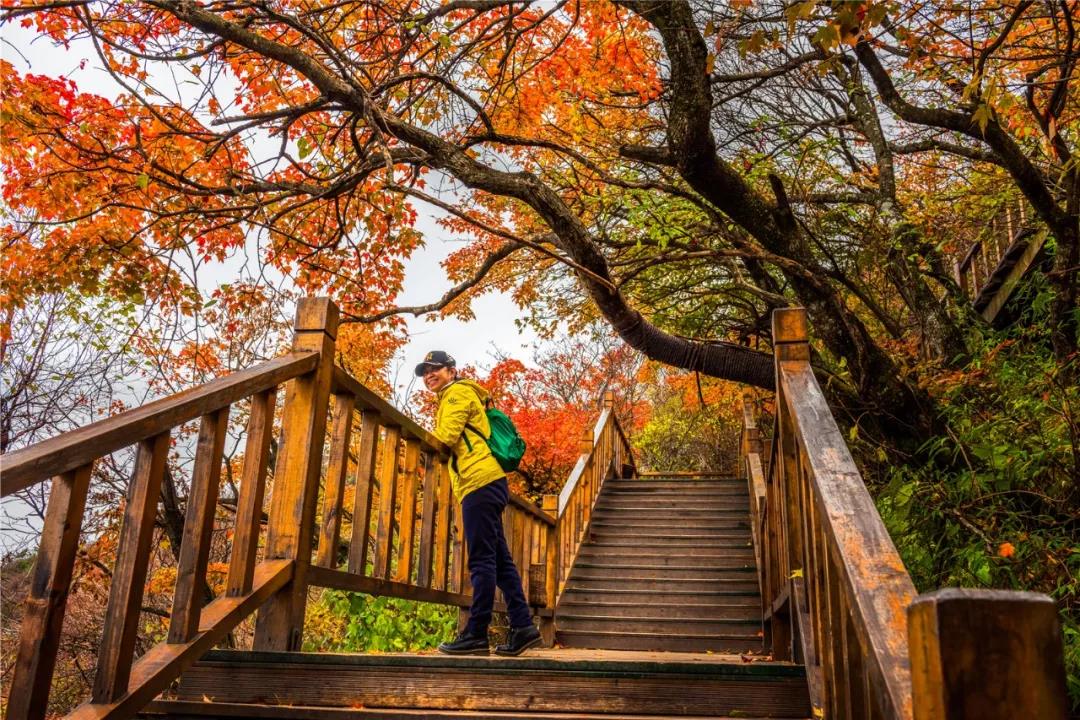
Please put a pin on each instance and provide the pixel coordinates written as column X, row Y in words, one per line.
column 366, row 623
column 997, row 502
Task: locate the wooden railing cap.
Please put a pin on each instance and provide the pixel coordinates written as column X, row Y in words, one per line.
column 789, row 325
column 317, row 313
column 947, row 595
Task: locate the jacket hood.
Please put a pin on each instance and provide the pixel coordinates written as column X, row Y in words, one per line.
column 473, row 385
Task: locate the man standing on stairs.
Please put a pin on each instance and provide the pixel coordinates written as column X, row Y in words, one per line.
column 479, row 483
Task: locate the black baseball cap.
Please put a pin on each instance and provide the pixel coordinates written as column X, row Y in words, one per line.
column 435, row 359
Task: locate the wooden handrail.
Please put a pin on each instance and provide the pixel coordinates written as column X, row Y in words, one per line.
column 1008, row 223
column 604, row 452
column 122, row 686
column 836, row 596
column 28, row 466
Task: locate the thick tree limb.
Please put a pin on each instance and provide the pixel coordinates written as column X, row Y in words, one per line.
column 730, row 362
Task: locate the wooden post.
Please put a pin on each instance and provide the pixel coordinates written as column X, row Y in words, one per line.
column 551, row 560
column 986, row 655
column 296, row 483
column 790, row 344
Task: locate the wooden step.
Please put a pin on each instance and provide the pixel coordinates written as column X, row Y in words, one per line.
column 524, row 685
column 186, row 709
column 676, row 642
column 649, row 553
column 609, row 593
column 644, row 490
column 703, row 485
column 733, row 607
column 594, row 580
column 690, row 511
column 650, row 500
column 741, row 627
column 679, row 544
column 733, row 569
column 612, row 535
column 667, row 526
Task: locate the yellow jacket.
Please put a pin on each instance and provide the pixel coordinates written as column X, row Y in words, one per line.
column 473, row 466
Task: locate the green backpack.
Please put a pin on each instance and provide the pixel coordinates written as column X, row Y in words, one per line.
column 505, row 443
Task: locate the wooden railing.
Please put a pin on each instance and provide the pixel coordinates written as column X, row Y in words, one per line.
column 406, row 538
column 605, row 453
column 999, row 257
column 837, row 598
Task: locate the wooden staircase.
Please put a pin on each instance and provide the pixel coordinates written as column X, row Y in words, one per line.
column 668, row 564
column 657, row 589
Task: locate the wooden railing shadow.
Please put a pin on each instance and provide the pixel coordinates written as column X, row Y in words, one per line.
column 406, row 534
column 836, row 596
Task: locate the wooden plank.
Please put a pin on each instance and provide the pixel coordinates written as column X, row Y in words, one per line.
column 280, row 622
column 162, row 664
column 334, row 490
column 987, row 655
column 551, row 552
column 129, row 574
column 483, row 684
column 388, row 473
column 249, row 504
column 28, row 466
column 428, row 521
column 366, row 458
column 407, row 524
column 443, row 527
column 46, row 601
column 198, row 524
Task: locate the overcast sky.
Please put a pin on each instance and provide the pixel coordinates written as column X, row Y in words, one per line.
column 425, row 281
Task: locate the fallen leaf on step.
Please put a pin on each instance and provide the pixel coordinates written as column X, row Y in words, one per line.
column 207, row 698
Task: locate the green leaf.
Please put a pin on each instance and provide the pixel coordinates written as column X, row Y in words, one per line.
column 981, row 117
column 304, row 147
column 143, row 181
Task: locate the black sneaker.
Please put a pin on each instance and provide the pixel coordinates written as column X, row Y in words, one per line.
column 466, row 644
column 520, row 640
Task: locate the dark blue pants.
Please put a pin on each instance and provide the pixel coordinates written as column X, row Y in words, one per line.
column 490, row 563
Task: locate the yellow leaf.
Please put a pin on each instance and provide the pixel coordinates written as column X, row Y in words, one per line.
column 796, row 573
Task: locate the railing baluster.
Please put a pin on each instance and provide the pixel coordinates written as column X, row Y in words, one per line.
column 856, row 679
column 336, row 471
column 129, row 574
column 443, row 528
column 457, row 552
column 198, row 525
column 43, row 614
column 407, row 523
column 427, row 522
column 249, row 504
column 365, row 472
column 388, row 474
